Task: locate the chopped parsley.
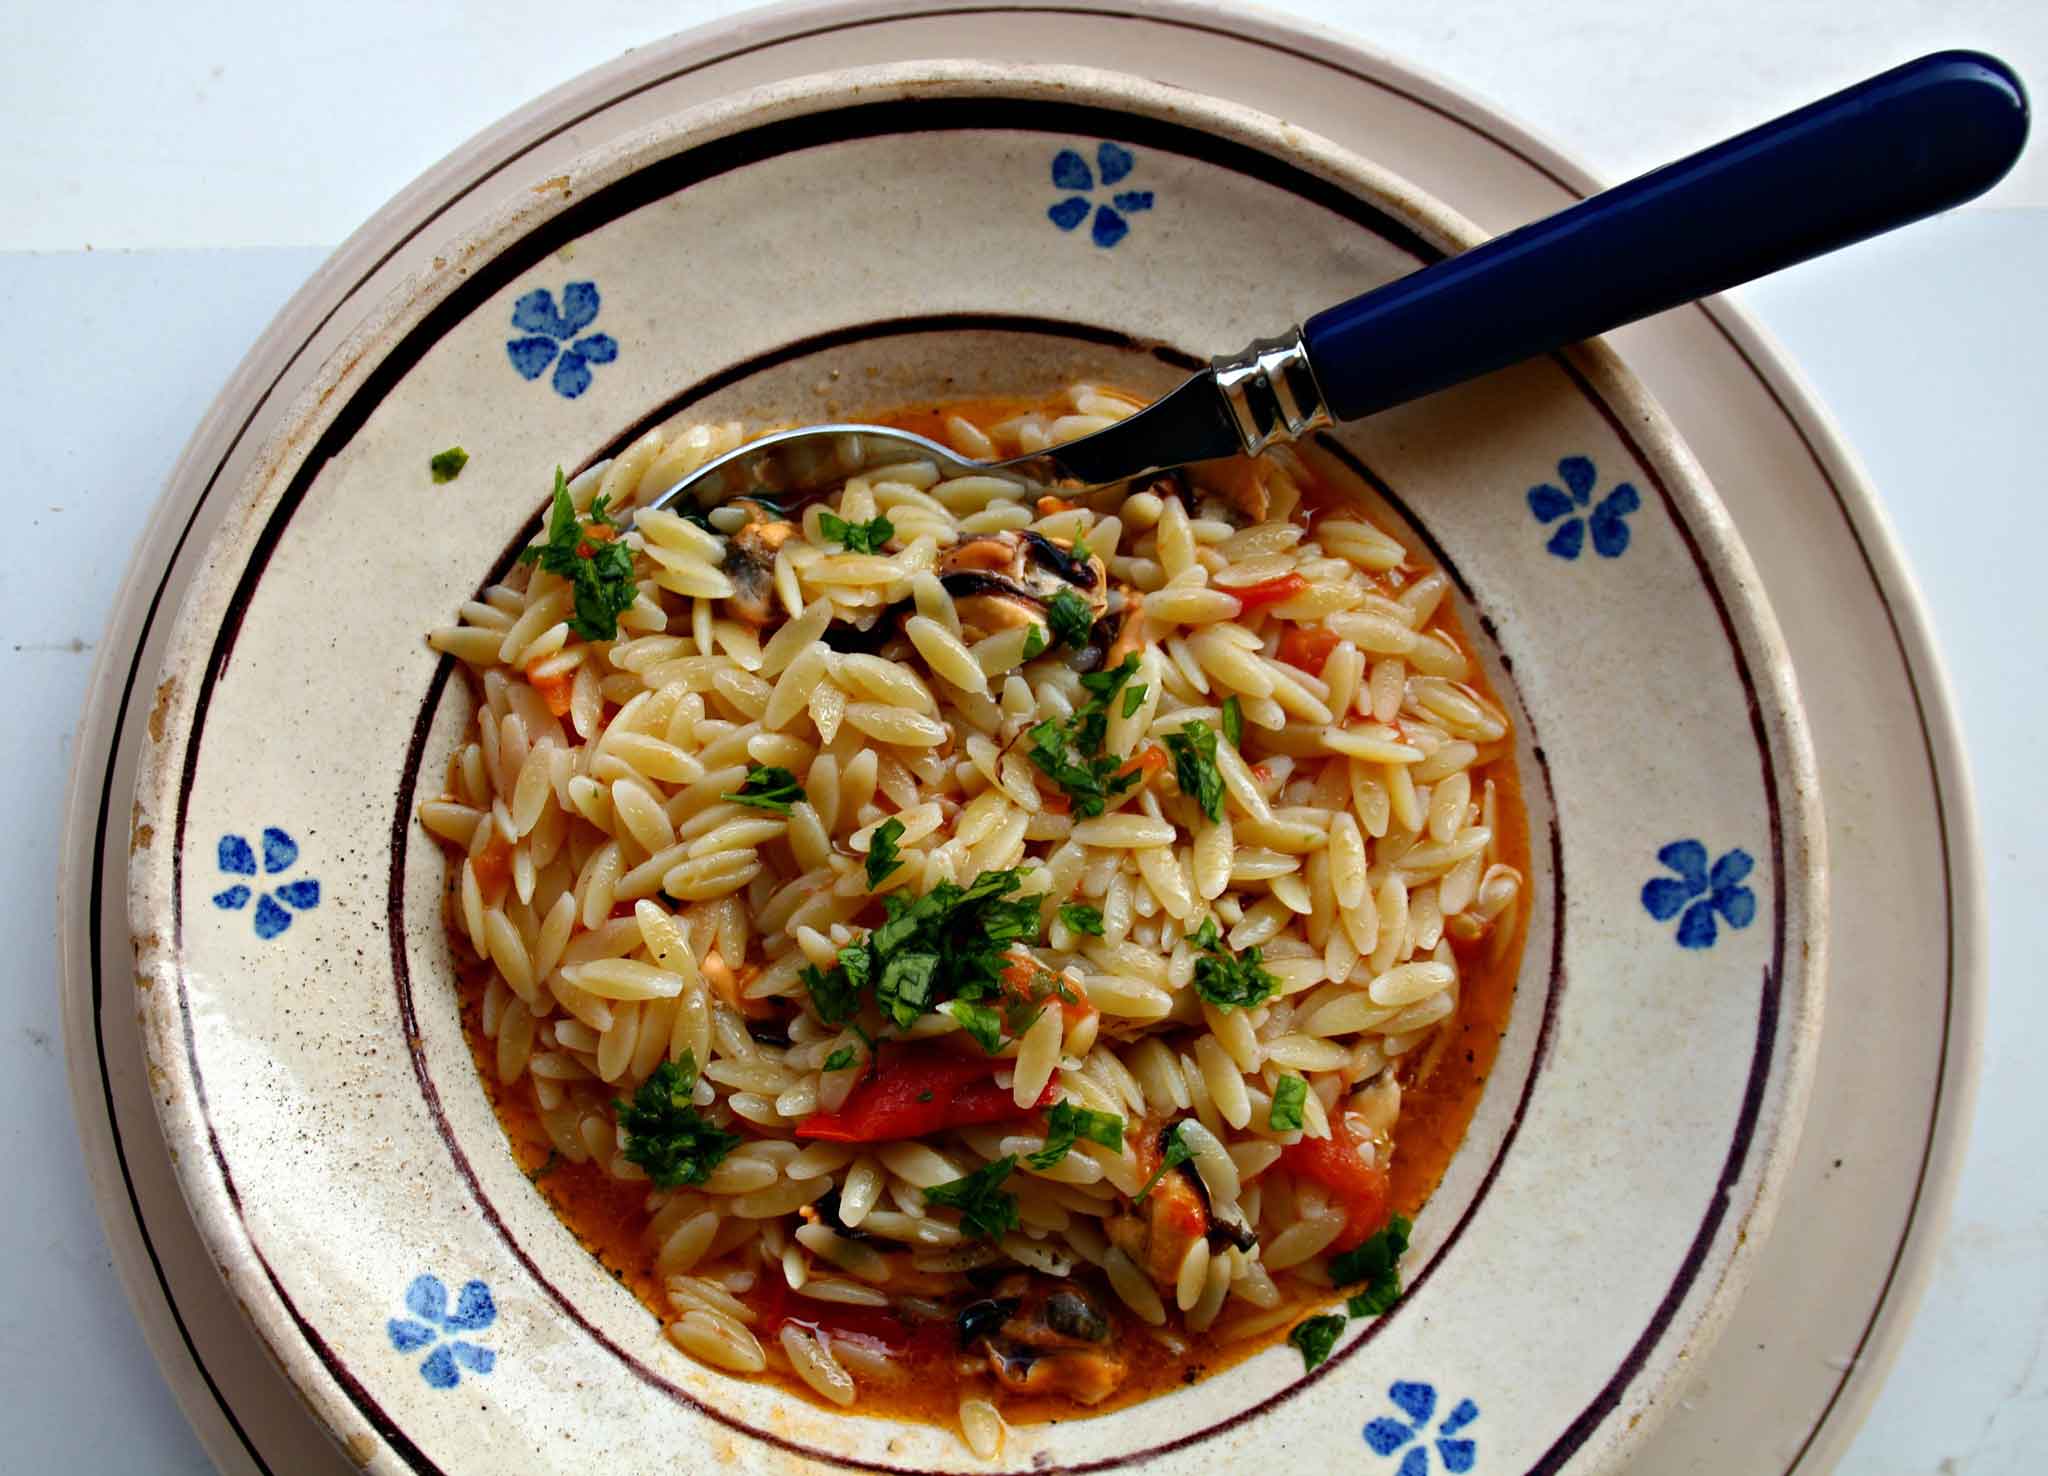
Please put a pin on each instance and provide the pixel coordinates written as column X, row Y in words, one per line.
column 668, row 1137
column 1225, row 981
column 447, row 465
column 857, row 538
column 1377, row 1263
column 769, row 789
column 983, row 1022
column 592, row 558
column 1316, row 1337
column 1070, row 753
column 1081, row 918
column 1193, row 747
column 1034, row 642
column 1070, row 619
column 840, row 1059
column 1206, row 936
column 835, row 994
column 1079, row 552
column 1175, row 1155
column 882, row 861
column 986, row 1208
column 1233, row 721
column 1066, row 1125
column 1289, row 1093
column 950, row 944
column 1134, row 698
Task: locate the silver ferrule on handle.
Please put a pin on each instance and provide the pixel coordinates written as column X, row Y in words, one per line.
column 1271, row 391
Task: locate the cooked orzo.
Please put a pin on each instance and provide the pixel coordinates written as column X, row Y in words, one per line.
column 970, row 953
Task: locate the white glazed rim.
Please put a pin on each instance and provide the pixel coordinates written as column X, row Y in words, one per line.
column 1729, row 568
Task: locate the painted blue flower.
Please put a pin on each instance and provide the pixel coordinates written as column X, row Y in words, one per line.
column 1113, row 163
column 274, row 906
column 433, row 1326
column 1718, row 889
column 550, row 332
column 1550, row 502
column 1418, row 1402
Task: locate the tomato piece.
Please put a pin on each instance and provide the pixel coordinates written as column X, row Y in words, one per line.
column 493, row 867
column 1308, row 647
column 1020, row 983
column 1270, row 592
column 1149, row 760
column 1360, row 1187
column 554, row 690
column 919, row 1089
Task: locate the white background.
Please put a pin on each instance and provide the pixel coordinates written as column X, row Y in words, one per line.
column 171, row 172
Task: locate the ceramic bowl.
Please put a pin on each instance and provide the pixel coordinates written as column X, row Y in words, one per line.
column 835, row 245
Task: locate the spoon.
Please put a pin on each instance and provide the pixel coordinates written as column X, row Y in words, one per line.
column 1890, row 150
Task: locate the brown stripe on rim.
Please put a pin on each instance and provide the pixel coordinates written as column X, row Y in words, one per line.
column 1582, row 1428
column 659, row 180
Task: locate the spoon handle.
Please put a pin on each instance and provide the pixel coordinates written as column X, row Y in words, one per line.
column 1902, row 145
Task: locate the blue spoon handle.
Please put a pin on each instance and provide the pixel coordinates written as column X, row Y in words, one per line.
column 1903, row 145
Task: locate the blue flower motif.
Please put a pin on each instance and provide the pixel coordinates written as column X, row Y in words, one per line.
column 1418, row 1402
column 1113, row 163
column 1550, row 502
column 274, row 907
column 432, row 1325
column 550, row 331
column 1719, row 889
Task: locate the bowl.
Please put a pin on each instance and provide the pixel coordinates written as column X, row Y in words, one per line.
column 821, row 249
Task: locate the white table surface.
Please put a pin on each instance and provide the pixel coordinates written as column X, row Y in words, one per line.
column 173, row 172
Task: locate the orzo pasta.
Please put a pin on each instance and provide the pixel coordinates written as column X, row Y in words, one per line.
column 945, row 943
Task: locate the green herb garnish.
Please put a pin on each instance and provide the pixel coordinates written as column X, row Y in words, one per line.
column 1377, row 1263
column 592, row 558
column 835, row 993
column 1070, row 619
column 1066, row 1125
column 1070, row 753
column 769, row 789
column 1134, row 698
column 985, row 1207
column 882, row 862
column 1079, row 551
column 951, row 943
column 1081, row 918
column 1193, row 746
column 447, row 465
column 1175, row 1155
column 858, row 538
column 1206, row 936
column 1034, row 642
column 1316, row 1337
column 665, row 1135
column 983, row 1022
column 1233, row 721
column 1225, row 981
column 1289, row 1093
column 840, row 1059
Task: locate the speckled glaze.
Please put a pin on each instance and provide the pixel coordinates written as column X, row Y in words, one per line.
column 825, row 247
